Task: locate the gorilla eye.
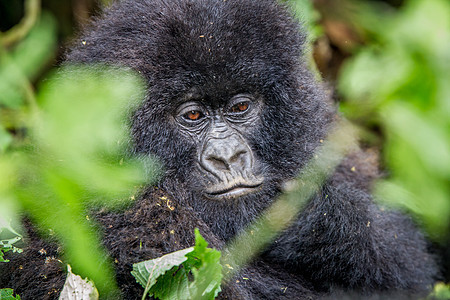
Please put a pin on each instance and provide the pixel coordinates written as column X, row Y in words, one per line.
column 240, row 107
column 193, row 115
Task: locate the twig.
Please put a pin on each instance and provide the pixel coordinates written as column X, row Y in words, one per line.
column 19, row 31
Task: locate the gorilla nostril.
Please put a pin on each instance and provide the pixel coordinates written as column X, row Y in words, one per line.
column 218, row 162
column 237, row 156
column 226, row 162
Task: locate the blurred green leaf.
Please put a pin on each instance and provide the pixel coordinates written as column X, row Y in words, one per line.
column 401, row 82
column 8, row 203
column 308, row 16
column 35, row 51
column 75, row 157
column 85, row 132
column 26, row 61
column 441, row 291
column 411, row 126
column 60, row 159
column 78, row 157
column 5, row 139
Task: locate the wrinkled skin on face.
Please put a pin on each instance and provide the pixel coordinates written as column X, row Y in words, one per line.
column 226, row 163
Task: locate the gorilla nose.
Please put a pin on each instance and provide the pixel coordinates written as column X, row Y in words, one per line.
column 222, row 160
column 227, row 154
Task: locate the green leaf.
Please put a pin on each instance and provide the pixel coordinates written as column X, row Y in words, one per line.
column 207, row 269
column 8, row 294
column 174, row 284
column 168, row 277
column 423, row 135
column 87, row 142
column 26, row 60
column 5, row 139
column 76, row 154
column 399, row 83
column 2, row 253
column 77, row 288
column 441, row 291
column 8, row 245
column 147, row 272
column 34, row 52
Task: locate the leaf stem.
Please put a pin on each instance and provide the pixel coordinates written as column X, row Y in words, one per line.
column 19, row 31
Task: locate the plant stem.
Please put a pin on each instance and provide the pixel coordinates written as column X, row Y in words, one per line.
column 19, row 31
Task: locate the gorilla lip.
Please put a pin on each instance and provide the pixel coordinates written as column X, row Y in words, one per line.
column 233, row 191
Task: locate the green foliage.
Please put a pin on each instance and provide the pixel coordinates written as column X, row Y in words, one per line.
column 84, row 136
column 205, row 265
column 23, row 63
column 75, row 157
column 8, row 294
column 5, row 139
column 441, row 291
column 147, row 272
column 8, row 245
column 401, row 83
column 80, row 158
column 65, row 151
column 18, row 67
column 8, row 235
column 309, row 18
column 168, row 277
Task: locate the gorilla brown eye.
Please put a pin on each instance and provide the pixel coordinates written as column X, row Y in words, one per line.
column 191, row 112
column 193, row 115
column 240, row 107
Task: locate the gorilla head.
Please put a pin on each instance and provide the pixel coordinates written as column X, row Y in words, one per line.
column 231, row 109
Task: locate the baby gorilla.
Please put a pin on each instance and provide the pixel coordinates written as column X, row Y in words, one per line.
column 233, row 113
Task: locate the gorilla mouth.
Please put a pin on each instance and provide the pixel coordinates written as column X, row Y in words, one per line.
column 234, row 191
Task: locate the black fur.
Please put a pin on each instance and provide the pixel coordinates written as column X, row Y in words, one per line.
column 223, row 47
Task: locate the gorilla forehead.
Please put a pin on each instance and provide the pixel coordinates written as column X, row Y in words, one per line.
column 221, row 36
column 177, row 44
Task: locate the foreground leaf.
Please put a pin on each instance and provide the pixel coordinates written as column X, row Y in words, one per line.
column 77, row 288
column 148, row 271
column 207, row 269
column 440, row 291
column 7, row 294
column 170, row 276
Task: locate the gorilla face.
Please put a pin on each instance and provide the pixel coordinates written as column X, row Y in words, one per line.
column 226, row 165
column 231, row 108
